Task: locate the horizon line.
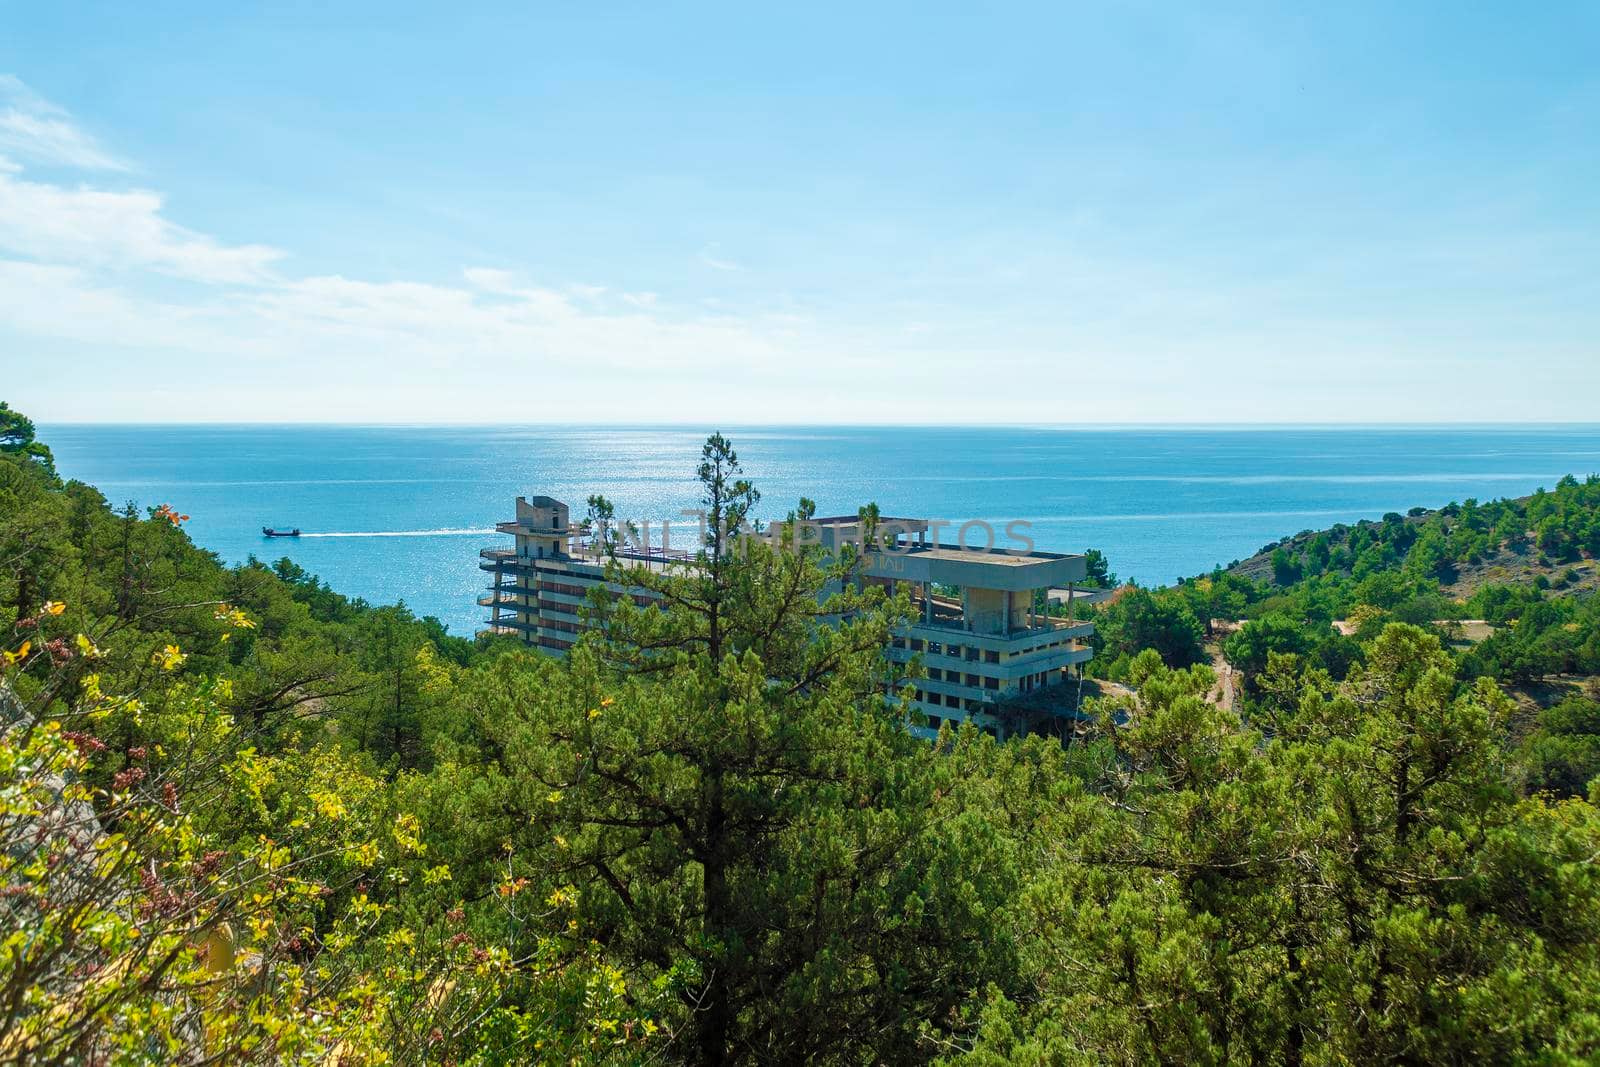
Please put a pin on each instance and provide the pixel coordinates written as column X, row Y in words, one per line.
column 696, row 424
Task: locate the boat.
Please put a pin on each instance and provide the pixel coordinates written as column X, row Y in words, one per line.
column 267, row 531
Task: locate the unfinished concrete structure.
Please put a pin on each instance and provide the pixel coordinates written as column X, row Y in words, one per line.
column 992, row 653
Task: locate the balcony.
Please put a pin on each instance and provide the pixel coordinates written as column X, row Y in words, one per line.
column 505, row 625
column 507, row 600
column 513, row 586
column 652, row 556
column 530, row 529
column 983, row 624
column 498, row 629
column 505, row 561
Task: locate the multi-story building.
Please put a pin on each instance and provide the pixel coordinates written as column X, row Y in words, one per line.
column 992, row 653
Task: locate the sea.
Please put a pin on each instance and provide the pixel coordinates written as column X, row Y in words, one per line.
column 392, row 513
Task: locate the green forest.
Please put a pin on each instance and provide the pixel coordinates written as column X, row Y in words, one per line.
column 1506, row 586
column 244, row 818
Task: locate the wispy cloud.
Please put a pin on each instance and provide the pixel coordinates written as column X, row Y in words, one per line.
column 83, row 265
column 96, row 228
column 711, row 255
column 107, row 229
column 34, row 129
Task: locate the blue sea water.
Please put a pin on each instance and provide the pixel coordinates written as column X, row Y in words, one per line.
column 399, row 513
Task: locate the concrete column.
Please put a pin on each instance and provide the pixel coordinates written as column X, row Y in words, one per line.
column 499, row 572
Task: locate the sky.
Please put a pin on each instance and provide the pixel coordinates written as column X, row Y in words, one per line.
column 745, row 213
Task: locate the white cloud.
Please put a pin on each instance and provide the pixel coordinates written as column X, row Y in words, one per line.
column 490, row 280
column 67, row 303
column 33, row 128
column 373, row 340
column 102, row 229
column 534, row 300
column 510, row 327
column 711, row 255
column 116, row 230
column 89, row 256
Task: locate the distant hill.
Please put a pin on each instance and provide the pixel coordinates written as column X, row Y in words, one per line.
column 1509, row 584
column 1543, row 540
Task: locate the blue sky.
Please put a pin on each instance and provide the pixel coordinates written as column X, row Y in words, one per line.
column 861, row 213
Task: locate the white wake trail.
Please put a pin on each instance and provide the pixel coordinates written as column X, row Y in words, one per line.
column 447, row 532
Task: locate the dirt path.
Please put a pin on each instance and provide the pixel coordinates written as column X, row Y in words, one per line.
column 1222, row 694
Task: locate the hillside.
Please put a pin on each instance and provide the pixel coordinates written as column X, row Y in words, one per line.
column 1506, row 585
column 1546, row 540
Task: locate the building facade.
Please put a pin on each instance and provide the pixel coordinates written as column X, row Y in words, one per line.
column 992, row 653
